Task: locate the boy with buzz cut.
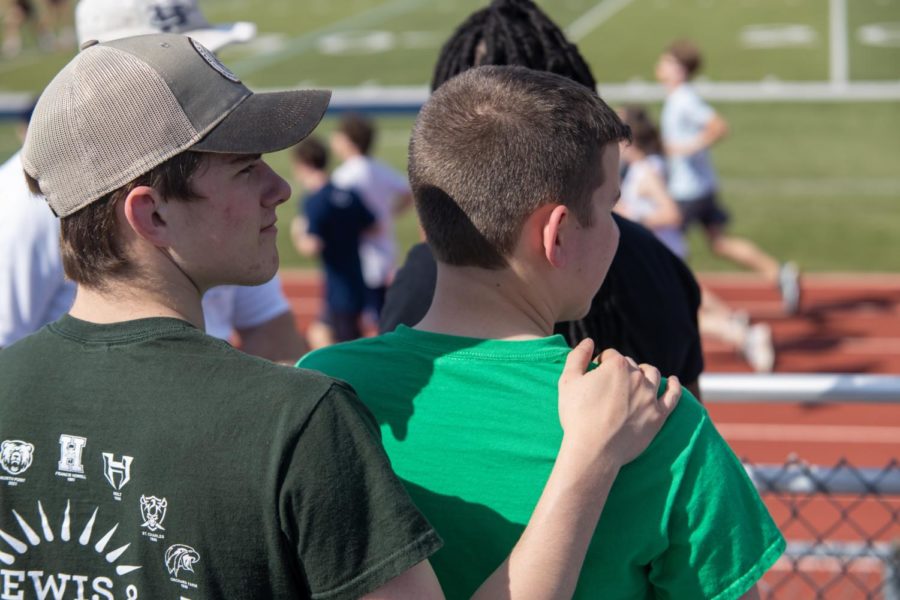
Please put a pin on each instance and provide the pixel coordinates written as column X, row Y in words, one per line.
column 514, row 175
column 690, row 127
column 142, row 458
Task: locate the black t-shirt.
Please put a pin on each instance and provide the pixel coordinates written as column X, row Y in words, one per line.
column 646, row 308
column 146, row 459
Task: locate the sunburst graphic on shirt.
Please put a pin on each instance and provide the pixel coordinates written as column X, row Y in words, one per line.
column 30, row 538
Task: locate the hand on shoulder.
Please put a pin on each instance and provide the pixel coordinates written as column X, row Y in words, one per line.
column 611, row 414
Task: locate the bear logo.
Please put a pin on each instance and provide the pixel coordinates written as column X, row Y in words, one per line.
column 16, row 456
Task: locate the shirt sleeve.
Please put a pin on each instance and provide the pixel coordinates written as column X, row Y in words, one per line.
column 349, row 519
column 255, row 305
column 721, row 536
column 699, row 111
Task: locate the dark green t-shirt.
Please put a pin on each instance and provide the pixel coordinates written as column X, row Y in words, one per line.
column 147, row 460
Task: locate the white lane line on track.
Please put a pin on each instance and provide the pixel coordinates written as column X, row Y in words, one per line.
column 594, row 18
column 848, row 434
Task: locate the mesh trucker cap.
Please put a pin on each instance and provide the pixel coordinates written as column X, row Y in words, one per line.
column 106, row 20
column 121, row 108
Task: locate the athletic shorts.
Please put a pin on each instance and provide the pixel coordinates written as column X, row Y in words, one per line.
column 705, row 210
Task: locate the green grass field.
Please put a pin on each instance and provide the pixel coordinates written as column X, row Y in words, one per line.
column 817, row 182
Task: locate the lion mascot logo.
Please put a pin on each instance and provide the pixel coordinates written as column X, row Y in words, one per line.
column 180, row 557
column 16, row 456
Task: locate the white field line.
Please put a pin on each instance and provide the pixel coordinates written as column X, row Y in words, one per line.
column 761, row 91
column 305, row 41
column 594, row 18
column 839, row 64
column 847, row 434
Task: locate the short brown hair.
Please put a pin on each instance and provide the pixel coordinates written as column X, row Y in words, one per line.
column 493, row 144
column 358, row 130
column 91, row 249
column 644, row 132
column 688, row 56
column 311, row 152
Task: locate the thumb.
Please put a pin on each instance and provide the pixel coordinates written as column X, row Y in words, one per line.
column 577, row 361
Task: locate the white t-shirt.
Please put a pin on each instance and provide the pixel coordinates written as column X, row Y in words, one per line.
column 379, row 186
column 640, row 207
column 34, row 290
column 684, row 116
column 230, row 307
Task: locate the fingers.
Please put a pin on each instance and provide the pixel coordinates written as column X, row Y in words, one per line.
column 610, row 355
column 651, row 373
column 669, row 400
column 577, row 361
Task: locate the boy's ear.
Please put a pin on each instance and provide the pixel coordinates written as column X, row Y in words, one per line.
column 553, row 232
column 146, row 211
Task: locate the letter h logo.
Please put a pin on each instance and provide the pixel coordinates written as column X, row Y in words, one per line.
column 113, row 468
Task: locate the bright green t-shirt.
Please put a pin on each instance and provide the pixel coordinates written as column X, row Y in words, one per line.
column 472, row 428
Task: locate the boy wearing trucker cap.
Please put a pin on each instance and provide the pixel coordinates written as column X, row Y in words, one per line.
column 143, row 459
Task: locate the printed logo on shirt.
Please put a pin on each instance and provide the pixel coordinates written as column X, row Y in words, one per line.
column 180, row 557
column 103, row 573
column 153, row 512
column 15, row 458
column 71, row 450
column 117, row 472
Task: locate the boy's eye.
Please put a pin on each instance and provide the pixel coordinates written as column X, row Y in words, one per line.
column 248, row 168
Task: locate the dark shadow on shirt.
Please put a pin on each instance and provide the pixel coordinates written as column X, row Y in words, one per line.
column 476, row 550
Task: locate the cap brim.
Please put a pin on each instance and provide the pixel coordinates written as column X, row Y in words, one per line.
column 267, row 123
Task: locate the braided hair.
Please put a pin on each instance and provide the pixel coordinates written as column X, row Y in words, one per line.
column 511, row 32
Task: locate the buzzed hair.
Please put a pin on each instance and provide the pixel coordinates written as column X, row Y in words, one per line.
column 688, row 56
column 494, row 144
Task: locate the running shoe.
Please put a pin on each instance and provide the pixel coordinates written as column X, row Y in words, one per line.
column 758, row 349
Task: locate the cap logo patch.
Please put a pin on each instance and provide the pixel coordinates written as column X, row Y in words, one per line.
column 214, row 62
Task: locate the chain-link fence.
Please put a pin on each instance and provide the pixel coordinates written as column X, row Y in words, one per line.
column 842, row 524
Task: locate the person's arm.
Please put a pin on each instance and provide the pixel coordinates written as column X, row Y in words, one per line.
column 609, row 416
column 752, row 594
column 276, row 340
column 715, row 129
column 305, row 243
column 667, row 213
